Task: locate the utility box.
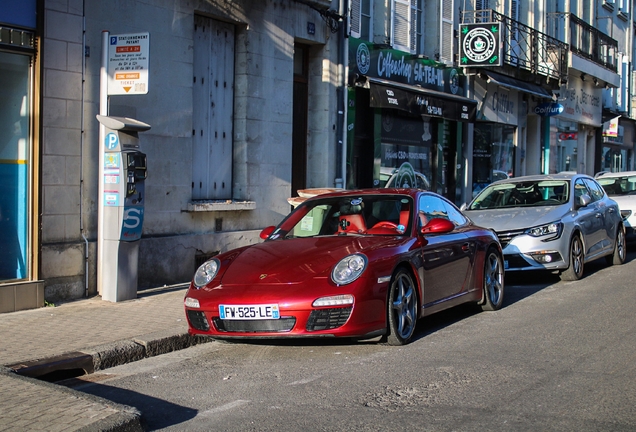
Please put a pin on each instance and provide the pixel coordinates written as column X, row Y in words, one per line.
column 124, row 175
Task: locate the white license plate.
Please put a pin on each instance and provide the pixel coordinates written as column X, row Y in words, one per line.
column 249, row 312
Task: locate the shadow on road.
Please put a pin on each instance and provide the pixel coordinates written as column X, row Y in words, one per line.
column 164, row 413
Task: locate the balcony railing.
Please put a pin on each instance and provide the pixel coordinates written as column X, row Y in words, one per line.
column 524, row 47
column 584, row 39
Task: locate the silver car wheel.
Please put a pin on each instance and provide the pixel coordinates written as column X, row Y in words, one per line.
column 620, row 249
column 493, row 282
column 402, row 310
column 577, row 261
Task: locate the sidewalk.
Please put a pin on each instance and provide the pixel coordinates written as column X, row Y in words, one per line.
column 81, row 337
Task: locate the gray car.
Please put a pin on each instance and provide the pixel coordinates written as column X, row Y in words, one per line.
column 551, row 222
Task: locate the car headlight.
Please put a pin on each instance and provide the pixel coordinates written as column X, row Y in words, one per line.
column 206, row 272
column 553, row 230
column 349, row 269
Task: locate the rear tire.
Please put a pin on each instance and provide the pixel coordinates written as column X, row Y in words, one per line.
column 620, row 252
column 401, row 309
column 577, row 259
column 493, row 281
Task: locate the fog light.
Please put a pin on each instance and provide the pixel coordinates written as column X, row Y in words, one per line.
column 336, row 300
column 192, row 303
column 545, row 257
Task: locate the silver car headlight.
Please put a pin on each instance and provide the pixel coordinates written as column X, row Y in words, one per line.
column 349, row 269
column 551, row 231
column 206, row 272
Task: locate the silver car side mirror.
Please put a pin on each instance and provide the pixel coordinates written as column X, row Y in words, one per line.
column 584, row 200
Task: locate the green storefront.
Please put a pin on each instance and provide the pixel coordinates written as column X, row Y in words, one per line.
column 407, row 121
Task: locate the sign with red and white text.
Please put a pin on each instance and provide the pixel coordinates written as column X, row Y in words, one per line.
column 128, row 63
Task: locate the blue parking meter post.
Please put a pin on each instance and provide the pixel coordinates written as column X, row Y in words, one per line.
column 124, row 173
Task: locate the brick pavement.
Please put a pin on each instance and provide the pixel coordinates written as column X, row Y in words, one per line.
column 108, row 333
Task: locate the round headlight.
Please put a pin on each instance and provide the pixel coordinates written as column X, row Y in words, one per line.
column 349, row 269
column 206, row 272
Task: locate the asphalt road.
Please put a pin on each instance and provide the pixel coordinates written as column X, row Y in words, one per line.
column 559, row 356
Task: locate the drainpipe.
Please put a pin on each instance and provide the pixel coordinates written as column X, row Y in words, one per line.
column 82, row 133
column 341, row 94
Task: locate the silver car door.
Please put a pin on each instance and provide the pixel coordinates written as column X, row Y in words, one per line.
column 590, row 220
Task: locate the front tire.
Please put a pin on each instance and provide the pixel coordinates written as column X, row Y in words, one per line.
column 620, row 252
column 577, row 260
column 401, row 309
column 493, row 281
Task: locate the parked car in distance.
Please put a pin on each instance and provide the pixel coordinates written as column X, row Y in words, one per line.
column 621, row 187
column 551, row 222
column 356, row 264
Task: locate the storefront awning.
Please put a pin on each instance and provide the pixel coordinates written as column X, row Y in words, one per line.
column 513, row 83
column 419, row 101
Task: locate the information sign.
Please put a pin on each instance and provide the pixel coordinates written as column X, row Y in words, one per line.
column 128, row 63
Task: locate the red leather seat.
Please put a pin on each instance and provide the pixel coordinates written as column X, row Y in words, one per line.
column 352, row 223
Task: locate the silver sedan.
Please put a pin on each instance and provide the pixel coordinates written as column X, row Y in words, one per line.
column 551, row 222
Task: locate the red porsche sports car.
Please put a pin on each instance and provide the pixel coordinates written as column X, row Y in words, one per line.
column 356, row 264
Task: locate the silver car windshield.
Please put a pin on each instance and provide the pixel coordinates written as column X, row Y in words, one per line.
column 619, row 185
column 522, row 194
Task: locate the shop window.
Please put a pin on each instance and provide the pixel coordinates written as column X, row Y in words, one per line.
column 15, row 142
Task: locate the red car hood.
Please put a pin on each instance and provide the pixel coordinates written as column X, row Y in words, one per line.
column 298, row 260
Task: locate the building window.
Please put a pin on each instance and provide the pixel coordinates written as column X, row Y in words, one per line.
column 213, row 107
column 361, row 19
column 401, row 25
column 15, row 149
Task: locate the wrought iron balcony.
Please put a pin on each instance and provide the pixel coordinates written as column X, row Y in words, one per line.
column 524, row 47
column 584, row 39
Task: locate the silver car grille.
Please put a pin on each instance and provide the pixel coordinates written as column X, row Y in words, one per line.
column 506, row 236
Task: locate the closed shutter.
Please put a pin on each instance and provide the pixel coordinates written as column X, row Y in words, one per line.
column 355, row 18
column 401, row 25
column 213, row 106
column 446, row 35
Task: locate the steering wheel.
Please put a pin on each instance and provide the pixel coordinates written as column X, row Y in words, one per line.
column 385, row 224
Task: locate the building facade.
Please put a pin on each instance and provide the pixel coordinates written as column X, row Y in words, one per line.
column 249, row 102
column 240, row 103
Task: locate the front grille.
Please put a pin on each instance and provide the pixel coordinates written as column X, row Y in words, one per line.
column 197, row 320
column 326, row 319
column 516, row 261
column 506, row 236
column 283, row 324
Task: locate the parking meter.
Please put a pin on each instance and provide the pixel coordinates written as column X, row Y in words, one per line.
column 122, row 207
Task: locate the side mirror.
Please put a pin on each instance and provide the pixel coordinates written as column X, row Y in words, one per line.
column 438, row 226
column 267, row 231
column 463, row 207
column 584, row 200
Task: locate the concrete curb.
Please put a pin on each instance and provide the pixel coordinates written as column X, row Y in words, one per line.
column 110, row 355
column 126, row 419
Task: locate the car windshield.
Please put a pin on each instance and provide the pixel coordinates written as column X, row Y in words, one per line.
column 522, row 194
column 618, row 185
column 383, row 214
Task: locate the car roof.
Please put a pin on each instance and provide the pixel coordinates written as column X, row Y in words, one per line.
column 539, row 177
column 617, row 174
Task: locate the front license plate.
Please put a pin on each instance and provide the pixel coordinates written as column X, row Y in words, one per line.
column 251, row 312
